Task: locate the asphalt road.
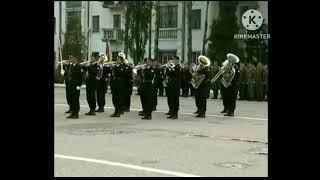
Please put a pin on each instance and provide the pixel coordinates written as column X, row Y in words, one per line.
column 99, row 145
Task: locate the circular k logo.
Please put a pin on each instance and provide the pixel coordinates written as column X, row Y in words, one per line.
column 252, row 19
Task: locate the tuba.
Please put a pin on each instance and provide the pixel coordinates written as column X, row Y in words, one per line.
column 102, row 60
column 197, row 78
column 227, row 71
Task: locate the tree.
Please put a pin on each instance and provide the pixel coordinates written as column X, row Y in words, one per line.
column 150, row 29
column 189, row 43
column 204, row 41
column 257, row 49
column 126, row 31
column 222, row 32
column 138, row 14
column 75, row 42
column 157, row 26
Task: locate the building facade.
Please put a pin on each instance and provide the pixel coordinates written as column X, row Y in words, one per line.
column 102, row 20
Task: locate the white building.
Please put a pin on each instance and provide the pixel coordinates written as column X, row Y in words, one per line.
column 105, row 19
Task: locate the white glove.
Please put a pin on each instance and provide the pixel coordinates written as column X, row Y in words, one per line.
column 78, row 88
column 62, row 72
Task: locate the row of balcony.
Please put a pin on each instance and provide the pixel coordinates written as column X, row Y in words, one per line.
column 115, row 34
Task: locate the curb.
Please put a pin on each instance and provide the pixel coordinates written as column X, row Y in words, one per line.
column 82, row 86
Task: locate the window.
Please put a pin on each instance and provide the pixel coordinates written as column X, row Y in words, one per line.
column 195, row 56
column 196, row 19
column 117, row 21
column 114, row 56
column 168, row 16
column 95, row 54
column 165, row 55
column 76, row 16
column 73, row 4
column 108, row 2
column 95, row 23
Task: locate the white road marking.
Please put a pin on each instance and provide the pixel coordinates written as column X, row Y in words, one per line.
column 174, row 173
column 212, row 115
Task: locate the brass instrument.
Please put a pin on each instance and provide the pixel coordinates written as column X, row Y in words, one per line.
column 227, row 70
column 197, row 78
column 134, row 70
column 169, row 64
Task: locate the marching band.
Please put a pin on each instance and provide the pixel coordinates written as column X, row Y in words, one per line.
column 149, row 79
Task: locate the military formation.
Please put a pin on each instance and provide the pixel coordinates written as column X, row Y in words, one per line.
column 173, row 80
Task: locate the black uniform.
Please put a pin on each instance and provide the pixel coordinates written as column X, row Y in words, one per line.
column 101, row 89
column 67, row 69
column 185, row 81
column 215, row 86
column 119, row 86
column 230, row 93
column 157, row 83
column 91, row 74
column 139, row 81
column 147, row 92
column 202, row 93
column 160, row 81
column 75, row 81
column 174, row 84
column 108, row 78
column 129, row 86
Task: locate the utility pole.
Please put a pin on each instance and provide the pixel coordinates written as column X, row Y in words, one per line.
column 60, row 28
column 183, row 31
column 189, row 7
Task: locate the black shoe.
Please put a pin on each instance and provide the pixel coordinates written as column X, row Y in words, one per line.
column 146, row 118
column 90, row 113
column 173, row 116
column 231, row 114
column 73, row 116
column 197, row 112
column 115, row 115
column 69, row 111
column 224, row 111
column 201, row 116
column 100, row 110
column 168, row 113
column 142, row 114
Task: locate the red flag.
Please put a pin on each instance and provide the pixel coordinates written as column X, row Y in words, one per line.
column 108, row 50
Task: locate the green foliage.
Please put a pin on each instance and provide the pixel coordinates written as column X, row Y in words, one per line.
column 75, row 42
column 222, row 32
column 257, row 48
column 137, row 16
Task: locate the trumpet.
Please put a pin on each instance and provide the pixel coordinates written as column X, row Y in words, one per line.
column 140, row 66
column 169, row 64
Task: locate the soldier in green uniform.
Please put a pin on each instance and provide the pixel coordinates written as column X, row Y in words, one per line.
column 259, row 82
column 242, row 82
column 251, row 75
